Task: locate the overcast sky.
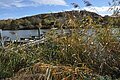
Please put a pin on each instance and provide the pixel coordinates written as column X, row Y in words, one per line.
column 21, row 8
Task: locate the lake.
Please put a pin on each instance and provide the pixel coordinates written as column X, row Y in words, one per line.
column 17, row 34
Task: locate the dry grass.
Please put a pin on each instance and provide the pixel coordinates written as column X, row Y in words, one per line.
column 41, row 71
column 78, row 55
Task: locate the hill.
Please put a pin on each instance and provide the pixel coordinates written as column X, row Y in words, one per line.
column 67, row 19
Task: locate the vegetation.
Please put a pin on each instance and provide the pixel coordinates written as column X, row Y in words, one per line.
column 92, row 54
column 89, row 51
column 47, row 20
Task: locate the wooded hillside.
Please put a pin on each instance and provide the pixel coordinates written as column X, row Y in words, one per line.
column 65, row 19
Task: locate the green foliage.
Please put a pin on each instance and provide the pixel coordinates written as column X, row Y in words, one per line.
column 15, row 58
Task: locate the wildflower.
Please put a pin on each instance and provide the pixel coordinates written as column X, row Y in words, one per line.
column 68, row 44
column 92, row 43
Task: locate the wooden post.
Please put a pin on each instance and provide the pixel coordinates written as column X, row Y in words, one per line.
column 38, row 32
column 1, row 38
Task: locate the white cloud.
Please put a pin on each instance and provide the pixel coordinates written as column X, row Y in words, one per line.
column 11, row 3
column 50, row 2
column 24, row 3
column 104, row 10
column 96, row 9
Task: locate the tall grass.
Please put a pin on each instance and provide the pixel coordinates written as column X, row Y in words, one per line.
column 84, row 53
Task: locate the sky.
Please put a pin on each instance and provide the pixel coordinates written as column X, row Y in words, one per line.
column 12, row 9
